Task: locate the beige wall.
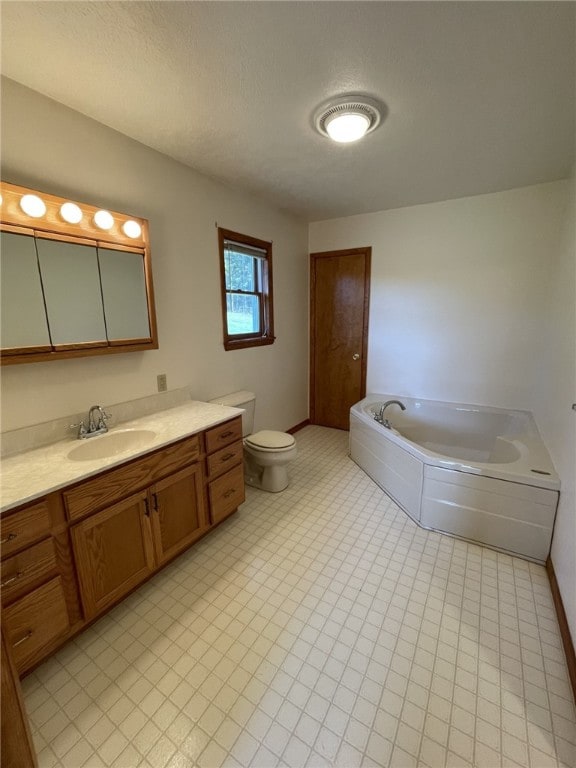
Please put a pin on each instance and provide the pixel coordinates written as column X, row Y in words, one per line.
column 556, row 393
column 54, row 149
column 459, row 291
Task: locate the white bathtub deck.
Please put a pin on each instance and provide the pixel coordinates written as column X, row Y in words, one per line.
column 490, row 504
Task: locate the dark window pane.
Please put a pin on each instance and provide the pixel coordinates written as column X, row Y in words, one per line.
column 243, row 314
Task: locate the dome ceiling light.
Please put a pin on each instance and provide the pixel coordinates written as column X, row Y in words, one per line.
column 348, row 118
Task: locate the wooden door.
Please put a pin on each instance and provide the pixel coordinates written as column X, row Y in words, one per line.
column 178, row 516
column 340, row 291
column 113, row 551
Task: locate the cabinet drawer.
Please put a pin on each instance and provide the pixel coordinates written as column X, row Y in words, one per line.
column 26, row 568
column 34, row 621
column 226, row 494
column 225, row 459
column 24, row 527
column 110, row 487
column 224, row 434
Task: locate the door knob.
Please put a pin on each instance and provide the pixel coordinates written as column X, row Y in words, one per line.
column 356, row 356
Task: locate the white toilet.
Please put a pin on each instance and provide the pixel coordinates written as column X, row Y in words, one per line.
column 266, row 453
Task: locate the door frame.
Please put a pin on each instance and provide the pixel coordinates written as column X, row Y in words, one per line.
column 366, row 252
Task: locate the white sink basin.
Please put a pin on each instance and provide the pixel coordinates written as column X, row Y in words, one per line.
column 111, row 444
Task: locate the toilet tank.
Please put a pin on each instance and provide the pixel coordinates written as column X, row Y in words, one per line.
column 241, row 399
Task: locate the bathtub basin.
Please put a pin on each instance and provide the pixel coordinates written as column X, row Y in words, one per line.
column 479, row 473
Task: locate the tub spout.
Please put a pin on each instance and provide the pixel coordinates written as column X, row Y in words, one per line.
column 380, row 416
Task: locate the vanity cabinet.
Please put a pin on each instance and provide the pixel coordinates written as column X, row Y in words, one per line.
column 68, row 557
column 35, row 621
column 226, row 494
column 40, row 603
column 72, row 555
column 116, row 484
column 178, row 514
column 22, row 571
column 120, row 546
column 225, row 471
column 113, row 553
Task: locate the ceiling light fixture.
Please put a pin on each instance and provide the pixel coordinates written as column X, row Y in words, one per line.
column 348, row 118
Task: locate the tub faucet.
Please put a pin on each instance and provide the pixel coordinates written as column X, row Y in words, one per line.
column 380, row 415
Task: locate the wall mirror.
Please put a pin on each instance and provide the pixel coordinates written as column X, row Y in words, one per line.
column 75, row 280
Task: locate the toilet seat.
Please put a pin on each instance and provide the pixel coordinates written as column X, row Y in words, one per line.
column 270, row 440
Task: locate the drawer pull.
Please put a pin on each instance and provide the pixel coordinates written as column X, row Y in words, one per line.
column 27, row 636
column 224, row 435
column 10, row 537
column 146, row 508
column 12, row 579
column 229, row 492
column 227, row 457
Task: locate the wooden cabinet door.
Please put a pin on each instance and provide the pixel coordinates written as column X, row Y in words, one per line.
column 178, row 516
column 113, row 551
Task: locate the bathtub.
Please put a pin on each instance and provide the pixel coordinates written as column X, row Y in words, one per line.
column 482, row 474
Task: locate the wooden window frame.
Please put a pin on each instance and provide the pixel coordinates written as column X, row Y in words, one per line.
column 265, row 335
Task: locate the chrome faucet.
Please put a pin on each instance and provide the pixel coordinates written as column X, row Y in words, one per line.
column 96, row 426
column 380, row 415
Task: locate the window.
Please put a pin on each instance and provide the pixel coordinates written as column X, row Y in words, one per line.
column 246, row 280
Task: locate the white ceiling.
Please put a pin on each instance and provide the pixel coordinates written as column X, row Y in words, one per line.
column 480, row 95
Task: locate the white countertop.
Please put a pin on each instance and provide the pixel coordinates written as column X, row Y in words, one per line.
column 30, row 475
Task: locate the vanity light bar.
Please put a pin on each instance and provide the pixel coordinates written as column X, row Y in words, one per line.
column 40, row 211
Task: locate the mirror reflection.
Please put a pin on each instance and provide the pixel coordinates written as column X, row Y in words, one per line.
column 71, row 282
column 124, row 292
column 23, row 317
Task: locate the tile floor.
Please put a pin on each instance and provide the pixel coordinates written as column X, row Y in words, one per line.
column 317, row 627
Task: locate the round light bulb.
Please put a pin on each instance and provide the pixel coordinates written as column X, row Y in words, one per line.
column 33, row 206
column 103, row 220
column 71, row 213
column 132, row 229
column 1, row 199
column 347, row 127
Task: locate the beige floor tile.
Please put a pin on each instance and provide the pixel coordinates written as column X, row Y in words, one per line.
column 316, row 627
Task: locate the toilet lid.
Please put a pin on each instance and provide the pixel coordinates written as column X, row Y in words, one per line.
column 268, row 438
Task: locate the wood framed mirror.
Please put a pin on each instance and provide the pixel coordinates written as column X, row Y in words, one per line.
column 75, row 280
